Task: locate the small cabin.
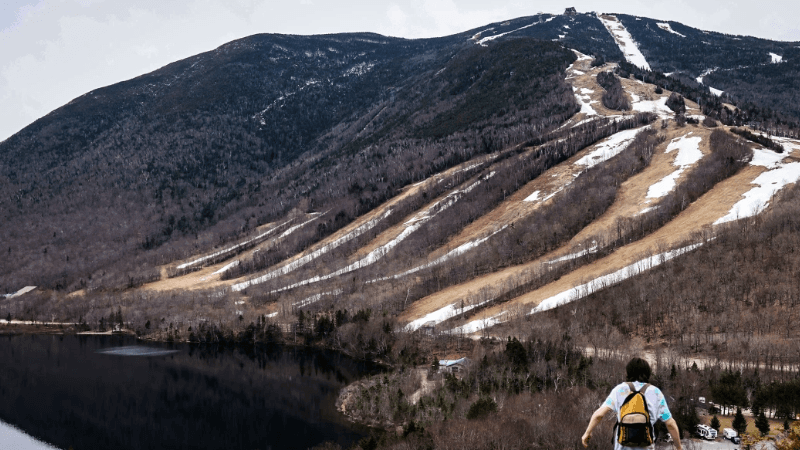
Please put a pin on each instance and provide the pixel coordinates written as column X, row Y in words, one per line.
column 570, row 11
column 453, row 365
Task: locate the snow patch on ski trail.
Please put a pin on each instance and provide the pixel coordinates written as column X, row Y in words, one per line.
column 624, row 41
column 412, row 225
column 313, row 255
column 688, row 155
column 767, row 185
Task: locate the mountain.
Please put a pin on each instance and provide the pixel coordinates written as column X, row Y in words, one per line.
column 454, row 183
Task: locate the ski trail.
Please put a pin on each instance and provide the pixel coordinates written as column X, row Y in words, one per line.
column 313, row 255
column 443, row 314
column 583, row 290
column 458, row 251
column 412, row 225
column 688, row 155
column 230, row 249
column 483, row 41
column 624, row 41
column 767, row 185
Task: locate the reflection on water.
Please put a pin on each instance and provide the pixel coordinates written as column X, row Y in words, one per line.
column 136, row 350
column 71, row 391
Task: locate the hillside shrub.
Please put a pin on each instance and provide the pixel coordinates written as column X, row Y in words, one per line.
column 758, row 139
column 676, row 103
column 614, row 97
column 481, row 408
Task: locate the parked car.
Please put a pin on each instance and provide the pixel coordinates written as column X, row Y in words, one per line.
column 731, row 435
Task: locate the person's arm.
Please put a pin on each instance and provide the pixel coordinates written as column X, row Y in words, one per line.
column 594, row 421
column 672, row 427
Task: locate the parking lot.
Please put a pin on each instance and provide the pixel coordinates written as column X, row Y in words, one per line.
column 718, row 444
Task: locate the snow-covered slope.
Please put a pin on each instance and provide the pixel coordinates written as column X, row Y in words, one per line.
column 625, row 41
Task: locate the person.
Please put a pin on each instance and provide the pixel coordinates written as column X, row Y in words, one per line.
column 638, row 373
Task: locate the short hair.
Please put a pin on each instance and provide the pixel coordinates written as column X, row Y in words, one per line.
column 638, row 370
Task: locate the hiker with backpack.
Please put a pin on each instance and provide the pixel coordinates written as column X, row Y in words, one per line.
column 638, row 405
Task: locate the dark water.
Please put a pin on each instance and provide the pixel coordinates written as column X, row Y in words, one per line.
column 108, row 392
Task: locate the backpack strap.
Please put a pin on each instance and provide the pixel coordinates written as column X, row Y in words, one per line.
column 634, row 390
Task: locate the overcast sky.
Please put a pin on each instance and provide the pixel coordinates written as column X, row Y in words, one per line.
column 54, row 51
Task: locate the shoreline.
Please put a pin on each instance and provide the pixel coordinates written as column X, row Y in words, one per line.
column 17, row 327
column 56, row 328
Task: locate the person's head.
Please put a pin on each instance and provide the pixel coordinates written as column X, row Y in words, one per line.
column 638, row 370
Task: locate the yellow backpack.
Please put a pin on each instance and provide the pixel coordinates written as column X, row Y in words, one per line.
column 634, row 428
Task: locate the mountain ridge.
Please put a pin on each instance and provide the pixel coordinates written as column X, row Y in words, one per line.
column 376, row 173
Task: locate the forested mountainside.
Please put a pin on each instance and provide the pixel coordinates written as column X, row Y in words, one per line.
column 752, row 70
column 235, row 137
column 370, row 184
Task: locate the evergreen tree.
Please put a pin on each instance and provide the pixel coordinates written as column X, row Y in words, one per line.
column 762, row 424
column 715, row 423
column 739, row 424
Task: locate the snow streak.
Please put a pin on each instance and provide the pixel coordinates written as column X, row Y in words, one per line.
column 624, row 41
column 483, row 41
column 767, row 185
column 666, row 27
column 230, row 249
column 315, row 298
column 440, row 315
column 602, row 152
column 458, row 251
column 688, row 155
column 583, row 290
column 599, row 283
column 313, row 255
column 412, row 225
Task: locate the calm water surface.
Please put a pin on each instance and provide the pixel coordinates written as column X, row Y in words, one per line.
column 103, row 392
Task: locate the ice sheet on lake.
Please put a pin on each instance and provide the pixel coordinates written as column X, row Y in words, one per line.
column 137, row 350
column 12, row 437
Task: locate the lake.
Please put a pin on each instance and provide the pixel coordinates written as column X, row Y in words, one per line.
column 114, row 392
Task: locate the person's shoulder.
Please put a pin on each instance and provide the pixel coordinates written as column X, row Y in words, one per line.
column 621, row 388
column 655, row 389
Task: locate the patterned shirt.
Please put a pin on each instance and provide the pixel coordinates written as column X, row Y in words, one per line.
column 656, row 404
